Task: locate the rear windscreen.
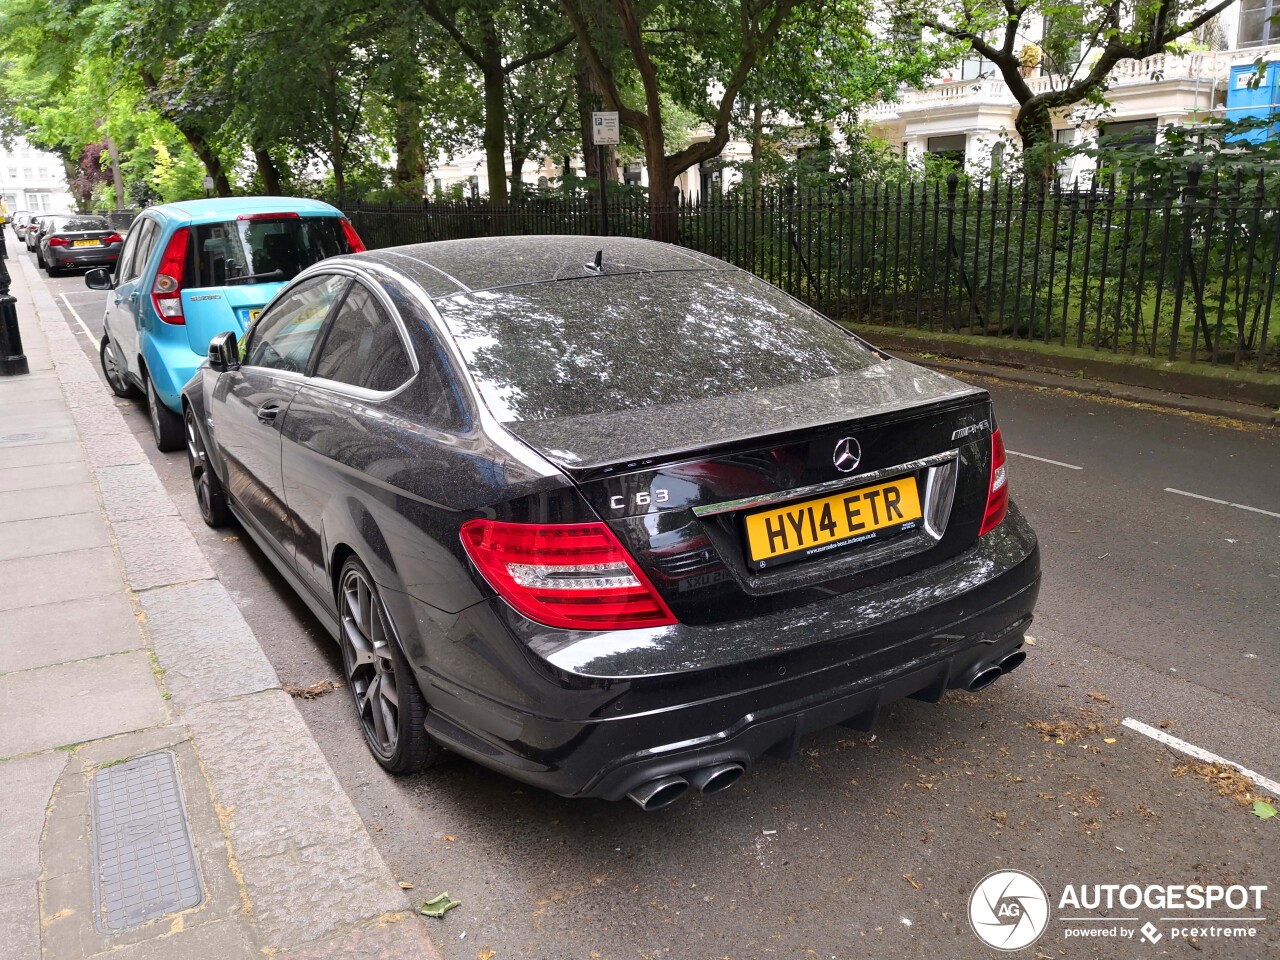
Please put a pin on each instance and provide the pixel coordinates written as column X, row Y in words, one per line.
column 568, row 348
column 260, row 251
column 86, row 223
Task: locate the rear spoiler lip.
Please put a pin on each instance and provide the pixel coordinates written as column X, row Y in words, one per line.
column 585, row 471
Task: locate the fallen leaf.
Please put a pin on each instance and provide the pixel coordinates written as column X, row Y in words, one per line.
column 486, row 954
column 449, row 838
column 1108, row 739
column 317, row 689
column 406, row 885
column 1030, row 641
column 915, row 884
column 230, row 539
column 439, row 906
column 1263, row 810
column 1100, row 697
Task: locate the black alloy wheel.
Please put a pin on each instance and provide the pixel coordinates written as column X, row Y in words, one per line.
column 114, row 372
column 210, row 495
column 390, row 706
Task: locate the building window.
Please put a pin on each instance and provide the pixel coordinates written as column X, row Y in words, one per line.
column 13, row 173
column 1129, row 133
column 632, row 173
column 950, row 148
column 26, row 173
column 1256, row 27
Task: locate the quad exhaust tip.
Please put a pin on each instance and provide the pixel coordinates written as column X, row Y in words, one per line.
column 715, row 778
column 659, row 793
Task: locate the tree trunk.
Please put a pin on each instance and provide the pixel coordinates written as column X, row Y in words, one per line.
column 663, row 222
column 267, row 169
column 411, row 161
column 117, row 178
column 212, row 165
column 757, row 134
column 518, row 157
column 1035, row 127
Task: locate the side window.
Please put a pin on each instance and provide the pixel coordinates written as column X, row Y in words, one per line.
column 363, row 346
column 137, row 249
column 284, row 336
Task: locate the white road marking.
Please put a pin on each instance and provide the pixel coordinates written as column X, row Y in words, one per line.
column 1191, row 750
column 83, row 326
column 1056, row 463
column 1225, row 503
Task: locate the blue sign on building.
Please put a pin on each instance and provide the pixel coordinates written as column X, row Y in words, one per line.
column 1247, row 98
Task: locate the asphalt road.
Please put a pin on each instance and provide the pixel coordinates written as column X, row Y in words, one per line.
column 1156, row 606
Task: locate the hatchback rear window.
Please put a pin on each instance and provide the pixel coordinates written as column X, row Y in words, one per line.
column 260, row 250
column 590, row 346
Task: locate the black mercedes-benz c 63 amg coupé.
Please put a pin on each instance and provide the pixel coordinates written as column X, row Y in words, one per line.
column 610, row 516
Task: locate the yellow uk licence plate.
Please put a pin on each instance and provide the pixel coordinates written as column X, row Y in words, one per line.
column 86, row 243
column 813, row 527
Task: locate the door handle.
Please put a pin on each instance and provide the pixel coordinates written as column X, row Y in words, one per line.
column 267, row 412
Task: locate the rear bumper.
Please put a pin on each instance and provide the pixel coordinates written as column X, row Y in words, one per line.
column 83, row 257
column 580, row 735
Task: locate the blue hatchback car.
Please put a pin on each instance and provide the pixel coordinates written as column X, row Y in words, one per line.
column 192, row 270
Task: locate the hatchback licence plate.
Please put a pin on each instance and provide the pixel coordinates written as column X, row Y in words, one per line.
column 813, row 527
column 253, row 315
column 87, row 243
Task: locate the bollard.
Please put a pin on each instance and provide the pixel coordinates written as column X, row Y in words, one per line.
column 13, row 362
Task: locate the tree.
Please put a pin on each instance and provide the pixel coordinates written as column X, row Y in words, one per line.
column 698, row 53
column 1082, row 42
column 498, row 37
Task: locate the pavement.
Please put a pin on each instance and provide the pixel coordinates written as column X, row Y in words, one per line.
column 1160, row 533
column 163, row 797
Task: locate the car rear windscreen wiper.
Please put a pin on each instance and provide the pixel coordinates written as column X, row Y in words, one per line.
column 276, row 274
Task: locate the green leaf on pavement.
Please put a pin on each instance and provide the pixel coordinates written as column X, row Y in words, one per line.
column 438, row 906
column 1263, row 810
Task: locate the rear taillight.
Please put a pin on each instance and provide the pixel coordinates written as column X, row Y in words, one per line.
column 353, row 238
column 997, row 489
column 574, row 575
column 113, row 238
column 166, row 292
column 283, row 215
column 59, row 242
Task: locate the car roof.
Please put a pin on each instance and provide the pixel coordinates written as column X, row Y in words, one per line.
column 449, row 267
column 220, row 208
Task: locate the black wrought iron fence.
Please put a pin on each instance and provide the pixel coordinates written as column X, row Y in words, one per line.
column 1183, row 266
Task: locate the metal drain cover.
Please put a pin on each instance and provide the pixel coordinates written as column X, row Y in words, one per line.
column 145, row 863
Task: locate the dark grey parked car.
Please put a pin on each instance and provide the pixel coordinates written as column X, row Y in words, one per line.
column 612, row 517
column 77, row 241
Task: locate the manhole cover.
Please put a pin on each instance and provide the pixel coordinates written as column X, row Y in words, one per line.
column 146, row 866
column 19, row 438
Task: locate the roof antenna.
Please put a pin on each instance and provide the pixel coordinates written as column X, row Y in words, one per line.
column 596, row 265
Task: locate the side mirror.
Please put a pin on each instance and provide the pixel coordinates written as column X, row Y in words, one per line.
column 99, row 278
column 224, row 353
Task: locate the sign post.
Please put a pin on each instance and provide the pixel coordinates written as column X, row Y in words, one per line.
column 604, row 127
column 208, row 186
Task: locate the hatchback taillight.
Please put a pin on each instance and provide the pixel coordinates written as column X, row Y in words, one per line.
column 59, row 242
column 575, row 575
column 353, row 238
column 166, row 292
column 997, row 488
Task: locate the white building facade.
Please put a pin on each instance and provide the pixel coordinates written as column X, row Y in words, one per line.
column 33, row 180
column 968, row 113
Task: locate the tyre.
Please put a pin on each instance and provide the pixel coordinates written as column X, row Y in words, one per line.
column 210, row 494
column 52, row 271
column 391, row 708
column 166, row 426
column 114, row 372
column 40, row 259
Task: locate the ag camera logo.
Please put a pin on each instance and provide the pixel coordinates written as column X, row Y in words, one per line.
column 1008, row 910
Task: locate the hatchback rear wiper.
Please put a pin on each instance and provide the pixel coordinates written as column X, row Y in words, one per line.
column 276, row 274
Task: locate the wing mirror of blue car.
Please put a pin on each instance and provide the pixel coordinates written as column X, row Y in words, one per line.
column 224, row 353
column 99, row 278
